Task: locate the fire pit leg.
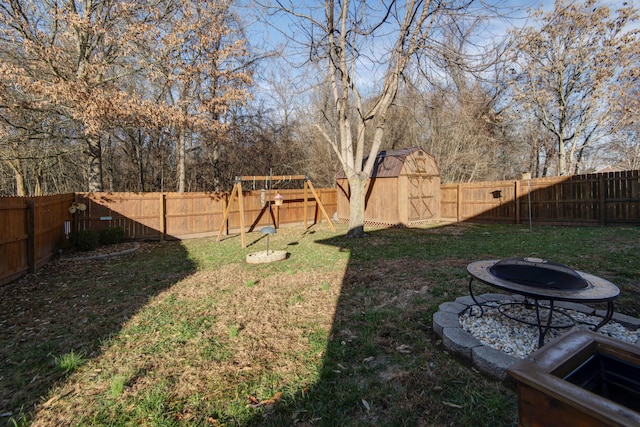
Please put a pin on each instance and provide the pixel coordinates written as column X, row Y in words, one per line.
column 474, row 299
column 607, row 316
column 543, row 332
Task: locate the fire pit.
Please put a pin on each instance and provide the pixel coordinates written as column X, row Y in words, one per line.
column 538, row 273
column 543, row 280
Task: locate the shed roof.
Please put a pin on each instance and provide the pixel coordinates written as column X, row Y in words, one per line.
column 388, row 163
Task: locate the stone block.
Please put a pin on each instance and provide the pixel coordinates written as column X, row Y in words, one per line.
column 581, row 308
column 443, row 319
column 452, row 307
column 492, row 362
column 459, row 341
column 629, row 322
column 466, row 300
column 493, row 297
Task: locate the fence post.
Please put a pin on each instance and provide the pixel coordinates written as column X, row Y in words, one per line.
column 458, row 202
column 74, row 217
column 304, row 202
column 225, row 203
column 163, row 222
column 516, row 193
column 317, row 217
column 31, row 236
column 601, row 187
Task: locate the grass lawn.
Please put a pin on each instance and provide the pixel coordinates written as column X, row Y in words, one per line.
column 187, row 333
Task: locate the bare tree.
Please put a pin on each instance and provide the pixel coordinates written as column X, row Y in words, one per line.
column 455, row 117
column 624, row 148
column 206, row 72
column 365, row 52
column 573, row 66
column 31, row 144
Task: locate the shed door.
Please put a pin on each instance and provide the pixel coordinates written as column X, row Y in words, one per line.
column 421, row 198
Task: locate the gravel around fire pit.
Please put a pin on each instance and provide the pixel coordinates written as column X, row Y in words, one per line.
column 519, row 339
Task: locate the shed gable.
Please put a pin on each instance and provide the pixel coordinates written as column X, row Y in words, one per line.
column 404, row 161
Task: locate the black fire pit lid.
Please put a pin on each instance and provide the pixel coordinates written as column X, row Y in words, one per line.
column 537, row 272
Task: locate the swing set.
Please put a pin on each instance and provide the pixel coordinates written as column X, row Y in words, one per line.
column 268, row 183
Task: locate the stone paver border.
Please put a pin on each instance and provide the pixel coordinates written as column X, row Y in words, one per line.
column 446, row 324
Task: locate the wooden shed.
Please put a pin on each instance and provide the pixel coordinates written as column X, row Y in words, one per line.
column 404, row 189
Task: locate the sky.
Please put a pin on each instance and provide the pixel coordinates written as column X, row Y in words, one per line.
column 267, row 28
column 266, row 34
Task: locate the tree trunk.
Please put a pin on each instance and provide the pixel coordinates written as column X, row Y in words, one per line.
column 95, row 183
column 357, row 186
column 562, row 158
column 216, row 171
column 181, row 161
column 39, row 190
column 108, row 165
column 140, row 161
column 18, row 173
column 578, row 164
column 535, row 159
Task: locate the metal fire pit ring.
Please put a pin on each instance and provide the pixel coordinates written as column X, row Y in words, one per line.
column 596, row 290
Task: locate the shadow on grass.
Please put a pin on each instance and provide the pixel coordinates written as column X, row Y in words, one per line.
column 68, row 309
column 381, row 364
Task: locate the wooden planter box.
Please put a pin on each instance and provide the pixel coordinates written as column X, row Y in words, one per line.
column 582, row 379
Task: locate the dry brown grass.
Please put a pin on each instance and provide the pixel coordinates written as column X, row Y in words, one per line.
column 340, row 333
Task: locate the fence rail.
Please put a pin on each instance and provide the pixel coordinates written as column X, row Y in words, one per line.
column 33, row 229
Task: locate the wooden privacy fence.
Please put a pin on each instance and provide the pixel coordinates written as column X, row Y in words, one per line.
column 32, row 231
column 186, row 215
column 593, row 199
